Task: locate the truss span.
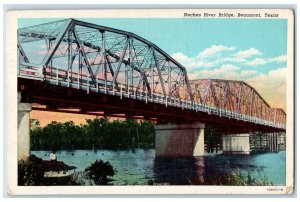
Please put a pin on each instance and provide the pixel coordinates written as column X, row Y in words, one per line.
column 235, row 97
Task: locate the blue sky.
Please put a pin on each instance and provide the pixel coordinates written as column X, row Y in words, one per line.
column 253, row 50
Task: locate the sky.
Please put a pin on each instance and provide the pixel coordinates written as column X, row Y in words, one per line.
column 252, row 50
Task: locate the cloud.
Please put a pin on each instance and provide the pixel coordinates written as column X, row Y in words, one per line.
column 213, row 56
column 271, row 86
column 256, row 62
column 263, row 61
column 279, row 59
column 214, row 50
column 226, row 71
column 191, row 62
column 244, row 54
column 204, row 58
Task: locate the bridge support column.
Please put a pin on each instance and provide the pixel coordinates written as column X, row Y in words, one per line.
column 236, row 144
column 23, row 130
column 179, row 140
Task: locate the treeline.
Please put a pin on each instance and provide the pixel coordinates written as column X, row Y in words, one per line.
column 99, row 133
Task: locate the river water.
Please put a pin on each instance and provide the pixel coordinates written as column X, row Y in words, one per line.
column 141, row 167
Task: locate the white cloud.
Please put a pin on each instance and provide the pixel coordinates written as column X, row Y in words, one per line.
column 278, row 59
column 226, row 71
column 204, row 58
column 244, row 54
column 263, row 61
column 191, row 62
column 214, row 50
column 229, row 67
column 256, row 62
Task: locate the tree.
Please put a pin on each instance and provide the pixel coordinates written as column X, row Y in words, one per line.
column 99, row 171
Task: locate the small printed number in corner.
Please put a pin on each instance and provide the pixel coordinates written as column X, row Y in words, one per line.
column 274, row 189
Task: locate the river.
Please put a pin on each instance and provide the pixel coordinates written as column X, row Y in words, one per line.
column 141, row 167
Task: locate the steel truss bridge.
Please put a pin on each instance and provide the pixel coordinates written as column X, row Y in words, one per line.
column 70, row 64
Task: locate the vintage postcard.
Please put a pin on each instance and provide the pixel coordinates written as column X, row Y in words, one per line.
column 145, row 101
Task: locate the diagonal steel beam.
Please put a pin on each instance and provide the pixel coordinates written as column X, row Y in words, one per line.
column 188, row 86
column 81, row 49
column 159, row 73
column 144, row 77
column 120, row 62
column 57, row 42
column 21, row 50
column 207, row 89
column 109, row 66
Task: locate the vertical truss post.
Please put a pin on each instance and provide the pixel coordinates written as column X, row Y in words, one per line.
column 239, row 98
column 104, row 61
column 275, row 116
column 18, row 60
column 56, row 76
column 97, row 86
column 251, row 101
column 114, row 88
column 121, row 92
column 128, row 77
column 152, row 77
column 261, row 110
column 48, row 44
column 169, row 76
column 69, row 56
column 185, row 91
column 88, row 84
column 78, row 73
column 131, row 66
column 80, row 65
column 147, row 97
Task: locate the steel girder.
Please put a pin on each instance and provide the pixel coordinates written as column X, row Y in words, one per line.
column 235, row 96
column 109, row 56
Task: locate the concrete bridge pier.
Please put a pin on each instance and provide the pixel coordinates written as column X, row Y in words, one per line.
column 236, row 144
column 179, row 140
column 23, row 130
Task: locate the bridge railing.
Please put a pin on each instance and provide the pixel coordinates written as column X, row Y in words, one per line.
column 57, row 76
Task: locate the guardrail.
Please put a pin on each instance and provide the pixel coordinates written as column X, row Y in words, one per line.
column 61, row 77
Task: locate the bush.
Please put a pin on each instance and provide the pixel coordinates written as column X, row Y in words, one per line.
column 233, row 178
column 31, row 171
column 99, row 171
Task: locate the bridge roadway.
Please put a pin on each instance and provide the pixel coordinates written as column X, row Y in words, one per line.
column 78, row 67
column 60, row 98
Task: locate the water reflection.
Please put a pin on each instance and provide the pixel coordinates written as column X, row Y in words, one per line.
column 142, row 167
column 178, row 171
